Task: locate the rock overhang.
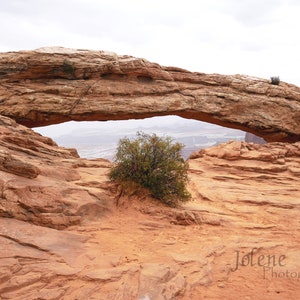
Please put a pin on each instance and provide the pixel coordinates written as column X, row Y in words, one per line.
column 53, row 85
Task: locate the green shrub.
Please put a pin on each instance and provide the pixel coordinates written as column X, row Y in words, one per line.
column 68, row 68
column 154, row 163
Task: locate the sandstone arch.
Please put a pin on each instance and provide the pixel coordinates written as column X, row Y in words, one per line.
column 53, row 85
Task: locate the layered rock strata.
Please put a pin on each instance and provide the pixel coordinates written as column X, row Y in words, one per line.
column 66, row 232
column 41, row 183
column 53, row 85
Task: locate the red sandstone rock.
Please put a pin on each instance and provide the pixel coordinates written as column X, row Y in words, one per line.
column 244, row 197
column 68, row 233
column 41, row 182
column 53, row 85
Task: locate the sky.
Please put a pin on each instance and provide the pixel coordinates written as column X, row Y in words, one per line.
column 253, row 37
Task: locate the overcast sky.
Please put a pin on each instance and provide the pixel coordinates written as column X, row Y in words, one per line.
column 254, row 37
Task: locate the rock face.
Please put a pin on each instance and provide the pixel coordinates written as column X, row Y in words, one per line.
column 67, row 233
column 53, row 85
column 42, row 183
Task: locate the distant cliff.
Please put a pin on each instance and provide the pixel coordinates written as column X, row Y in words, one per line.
column 252, row 138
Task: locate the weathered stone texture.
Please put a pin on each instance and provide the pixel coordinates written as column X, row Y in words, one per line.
column 53, row 85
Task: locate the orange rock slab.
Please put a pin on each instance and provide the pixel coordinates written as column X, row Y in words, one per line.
column 54, row 85
column 68, row 233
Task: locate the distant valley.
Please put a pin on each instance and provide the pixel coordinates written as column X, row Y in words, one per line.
column 100, row 139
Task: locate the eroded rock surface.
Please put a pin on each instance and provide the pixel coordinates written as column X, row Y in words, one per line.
column 53, row 85
column 67, row 233
column 43, row 183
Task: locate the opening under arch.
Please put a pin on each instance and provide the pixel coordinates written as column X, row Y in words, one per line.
column 99, row 139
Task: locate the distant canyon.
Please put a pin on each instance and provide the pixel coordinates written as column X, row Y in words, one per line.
column 100, row 139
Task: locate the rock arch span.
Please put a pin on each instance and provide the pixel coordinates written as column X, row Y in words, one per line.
column 54, row 85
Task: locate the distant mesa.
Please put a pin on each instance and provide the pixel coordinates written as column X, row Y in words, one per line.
column 252, row 138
